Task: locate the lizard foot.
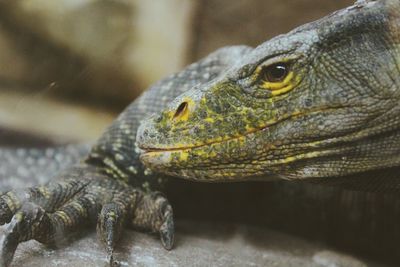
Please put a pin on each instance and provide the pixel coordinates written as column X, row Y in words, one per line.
column 83, row 197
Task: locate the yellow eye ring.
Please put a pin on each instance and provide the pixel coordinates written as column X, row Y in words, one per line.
column 277, row 78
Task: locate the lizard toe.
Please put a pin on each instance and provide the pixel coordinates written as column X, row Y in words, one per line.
column 50, row 197
column 167, row 231
column 154, row 213
column 110, row 225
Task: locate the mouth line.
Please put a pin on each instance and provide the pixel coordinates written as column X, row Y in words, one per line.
column 285, row 118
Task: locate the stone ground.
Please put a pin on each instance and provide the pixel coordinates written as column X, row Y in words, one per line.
column 197, row 244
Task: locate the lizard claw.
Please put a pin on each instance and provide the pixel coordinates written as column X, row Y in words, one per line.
column 167, row 228
column 8, row 245
column 24, row 225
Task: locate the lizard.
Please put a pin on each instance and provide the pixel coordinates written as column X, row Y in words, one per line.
column 319, row 103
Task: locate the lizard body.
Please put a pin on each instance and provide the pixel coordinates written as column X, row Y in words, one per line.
column 319, row 103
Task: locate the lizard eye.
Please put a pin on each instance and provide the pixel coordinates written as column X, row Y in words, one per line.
column 275, row 73
column 277, row 78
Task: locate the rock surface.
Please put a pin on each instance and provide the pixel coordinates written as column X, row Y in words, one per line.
column 197, row 244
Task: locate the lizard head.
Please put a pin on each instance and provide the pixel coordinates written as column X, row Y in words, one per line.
column 319, row 101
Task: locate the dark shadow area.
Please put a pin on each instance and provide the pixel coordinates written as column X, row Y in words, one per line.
column 357, row 222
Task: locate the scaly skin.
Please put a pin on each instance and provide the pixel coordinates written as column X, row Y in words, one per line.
column 320, row 101
column 334, row 112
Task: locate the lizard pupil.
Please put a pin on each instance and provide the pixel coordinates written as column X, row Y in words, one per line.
column 275, row 73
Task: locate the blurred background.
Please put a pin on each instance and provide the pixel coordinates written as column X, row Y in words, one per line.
column 68, row 67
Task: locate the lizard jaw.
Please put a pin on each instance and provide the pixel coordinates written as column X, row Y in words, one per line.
column 204, row 162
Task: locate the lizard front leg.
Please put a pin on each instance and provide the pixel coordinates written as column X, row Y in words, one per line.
column 50, row 213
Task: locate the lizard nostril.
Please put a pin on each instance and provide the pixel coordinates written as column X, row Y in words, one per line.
column 182, row 111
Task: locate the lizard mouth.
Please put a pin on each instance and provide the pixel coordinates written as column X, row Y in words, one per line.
column 149, row 152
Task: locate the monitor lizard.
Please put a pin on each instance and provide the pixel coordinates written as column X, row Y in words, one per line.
column 317, row 104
